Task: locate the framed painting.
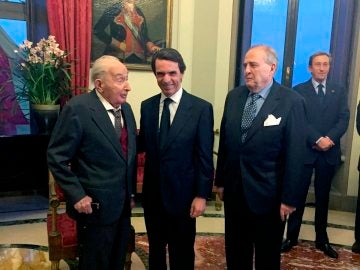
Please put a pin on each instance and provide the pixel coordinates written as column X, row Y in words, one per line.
column 131, row 30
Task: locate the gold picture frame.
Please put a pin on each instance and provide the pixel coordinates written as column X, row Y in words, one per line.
column 131, row 30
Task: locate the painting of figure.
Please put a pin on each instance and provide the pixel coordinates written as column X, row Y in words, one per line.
column 131, row 30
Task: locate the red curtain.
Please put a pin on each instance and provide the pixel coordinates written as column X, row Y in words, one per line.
column 71, row 23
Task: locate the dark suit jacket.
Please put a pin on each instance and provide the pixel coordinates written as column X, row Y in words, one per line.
column 183, row 169
column 267, row 165
column 85, row 137
column 358, row 126
column 329, row 119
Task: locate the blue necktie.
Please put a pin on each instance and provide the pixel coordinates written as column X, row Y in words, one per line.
column 164, row 122
column 248, row 115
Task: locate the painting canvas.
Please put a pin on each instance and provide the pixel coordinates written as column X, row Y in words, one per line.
column 131, row 30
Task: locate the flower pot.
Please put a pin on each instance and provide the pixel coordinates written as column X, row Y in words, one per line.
column 45, row 117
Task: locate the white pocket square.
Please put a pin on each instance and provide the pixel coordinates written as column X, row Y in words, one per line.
column 272, row 121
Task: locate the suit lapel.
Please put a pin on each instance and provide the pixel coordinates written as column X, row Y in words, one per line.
column 102, row 120
column 236, row 114
column 153, row 116
column 267, row 108
column 330, row 95
column 130, row 126
column 182, row 116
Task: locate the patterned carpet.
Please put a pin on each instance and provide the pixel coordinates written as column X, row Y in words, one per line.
column 210, row 255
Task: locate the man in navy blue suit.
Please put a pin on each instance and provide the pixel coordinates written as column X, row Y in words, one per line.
column 262, row 140
column 176, row 133
column 328, row 118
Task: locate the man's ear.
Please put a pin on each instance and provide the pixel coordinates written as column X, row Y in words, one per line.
column 98, row 85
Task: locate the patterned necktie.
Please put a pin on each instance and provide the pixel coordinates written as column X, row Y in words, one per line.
column 117, row 126
column 321, row 93
column 249, row 115
column 165, row 121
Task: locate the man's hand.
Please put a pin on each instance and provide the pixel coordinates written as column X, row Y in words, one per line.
column 197, row 207
column 84, row 205
column 324, row 144
column 285, row 211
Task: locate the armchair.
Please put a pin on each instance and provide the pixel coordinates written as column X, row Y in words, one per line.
column 62, row 234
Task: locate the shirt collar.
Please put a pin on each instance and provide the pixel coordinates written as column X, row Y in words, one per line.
column 316, row 84
column 175, row 97
column 265, row 91
column 106, row 103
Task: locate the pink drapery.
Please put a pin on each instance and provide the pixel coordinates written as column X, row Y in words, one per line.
column 71, row 23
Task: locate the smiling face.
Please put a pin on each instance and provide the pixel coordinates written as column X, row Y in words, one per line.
column 258, row 72
column 168, row 76
column 113, row 84
column 320, row 67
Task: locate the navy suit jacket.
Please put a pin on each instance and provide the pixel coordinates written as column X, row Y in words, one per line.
column 267, row 166
column 183, row 168
column 85, row 137
column 329, row 119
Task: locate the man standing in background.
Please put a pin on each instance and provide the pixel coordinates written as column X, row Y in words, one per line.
column 328, row 118
column 176, row 133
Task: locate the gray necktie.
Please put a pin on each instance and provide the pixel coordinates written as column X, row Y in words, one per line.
column 249, row 115
column 117, row 126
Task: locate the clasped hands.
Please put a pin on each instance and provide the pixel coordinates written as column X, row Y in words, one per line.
column 323, row 144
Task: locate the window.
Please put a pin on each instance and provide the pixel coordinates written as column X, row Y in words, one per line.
column 13, row 20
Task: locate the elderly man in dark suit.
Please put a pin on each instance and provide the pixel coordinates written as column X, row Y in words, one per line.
column 259, row 164
column 176, row 132
column 328, row 118
column 356, row 246
column 92, row 157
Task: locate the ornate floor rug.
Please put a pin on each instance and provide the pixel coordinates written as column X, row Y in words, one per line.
column 210, row 255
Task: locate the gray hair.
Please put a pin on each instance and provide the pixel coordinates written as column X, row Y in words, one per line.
column 101, row 65
column 271, row 56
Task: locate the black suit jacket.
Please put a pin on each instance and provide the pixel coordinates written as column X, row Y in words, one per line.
column 329, row 119
column 267, row 166
column 183, row 168
column 85, row 137
column 358, row 126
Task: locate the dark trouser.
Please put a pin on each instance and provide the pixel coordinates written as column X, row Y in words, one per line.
column 103, row 247
column 177, row 233
column 357, row 219
column 247, row 232
column 324, row 172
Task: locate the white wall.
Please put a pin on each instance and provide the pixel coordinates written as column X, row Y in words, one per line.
column 201, row 32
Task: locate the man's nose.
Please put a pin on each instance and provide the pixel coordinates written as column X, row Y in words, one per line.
column 127, row 86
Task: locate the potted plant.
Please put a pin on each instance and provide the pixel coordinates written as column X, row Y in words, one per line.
column 45, row 79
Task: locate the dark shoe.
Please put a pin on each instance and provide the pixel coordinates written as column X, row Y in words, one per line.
column 356, row 247
column 328, row 250
column 287, row 245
